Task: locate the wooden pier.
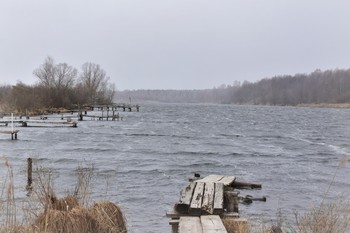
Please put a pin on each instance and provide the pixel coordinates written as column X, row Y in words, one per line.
column 115, row 106
column 12, row 132
column 40, row 123
column 205, row 202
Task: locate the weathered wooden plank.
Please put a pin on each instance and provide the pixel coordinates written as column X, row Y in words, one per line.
column 227, row 180
column 190, row 225
column 218, row 199
column 196, row 202
column 212, row 223
column 9, row 131
column 210, row 178
column 185, row 198
column 186, row 194
column 208, row 198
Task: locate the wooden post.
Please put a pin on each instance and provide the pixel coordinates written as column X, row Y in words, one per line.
column 231, row 199
column 29, row 173
column 12, row 122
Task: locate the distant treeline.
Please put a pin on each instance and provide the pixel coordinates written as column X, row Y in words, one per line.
column 223, row 94
column 59, row 86
column 331, row 86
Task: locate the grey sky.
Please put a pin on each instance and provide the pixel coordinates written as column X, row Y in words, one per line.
column 175, row 44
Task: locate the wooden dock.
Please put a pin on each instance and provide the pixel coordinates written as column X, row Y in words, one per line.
column 205, row 202
column 115, row 106
column 40, row 123
column 12, row 132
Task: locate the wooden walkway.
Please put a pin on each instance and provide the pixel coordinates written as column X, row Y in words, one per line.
column 202, row 224
column 40, row 123
column 204, row 202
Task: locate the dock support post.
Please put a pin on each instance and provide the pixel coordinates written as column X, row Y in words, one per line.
column 231, row 198
column 29, row 173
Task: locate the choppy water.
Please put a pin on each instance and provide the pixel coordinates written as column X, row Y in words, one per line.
column 146, row 159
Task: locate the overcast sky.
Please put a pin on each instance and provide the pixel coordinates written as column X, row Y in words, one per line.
column 175, row 44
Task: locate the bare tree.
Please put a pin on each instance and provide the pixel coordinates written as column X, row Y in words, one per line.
column 46, row 72
column 65, row 76
column 95, row 82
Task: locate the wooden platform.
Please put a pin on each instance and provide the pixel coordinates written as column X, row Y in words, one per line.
column 203, row 202
column 45, row 123
column 204, row 196
column 202, row 224
column 12, row 132
column 40, row 123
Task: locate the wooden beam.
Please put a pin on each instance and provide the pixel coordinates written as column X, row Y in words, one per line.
column 219, row 199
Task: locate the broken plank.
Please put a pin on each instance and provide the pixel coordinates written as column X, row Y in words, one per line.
column 185, row 198
column 186, row 194
column 208, row 198
column 212, row 223
column 190, row 225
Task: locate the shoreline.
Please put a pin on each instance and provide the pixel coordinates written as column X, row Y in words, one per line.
column 326, row 105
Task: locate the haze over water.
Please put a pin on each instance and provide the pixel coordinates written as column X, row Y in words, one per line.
column 144, row 161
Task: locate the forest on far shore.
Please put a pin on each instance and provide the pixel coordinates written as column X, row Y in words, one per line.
column 330, row 86
column 62, row 86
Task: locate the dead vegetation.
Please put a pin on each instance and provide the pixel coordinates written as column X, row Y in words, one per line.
column 45, row 212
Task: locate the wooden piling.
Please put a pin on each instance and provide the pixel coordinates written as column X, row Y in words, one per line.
column 29, row 173
column 231, row 198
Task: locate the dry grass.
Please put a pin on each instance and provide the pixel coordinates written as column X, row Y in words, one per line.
column 234, row 225
column 332, row 217
column 109, row 217
column 103, row 217
column 47, row 213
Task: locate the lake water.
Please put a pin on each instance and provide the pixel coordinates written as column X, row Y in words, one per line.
column 144, row 161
